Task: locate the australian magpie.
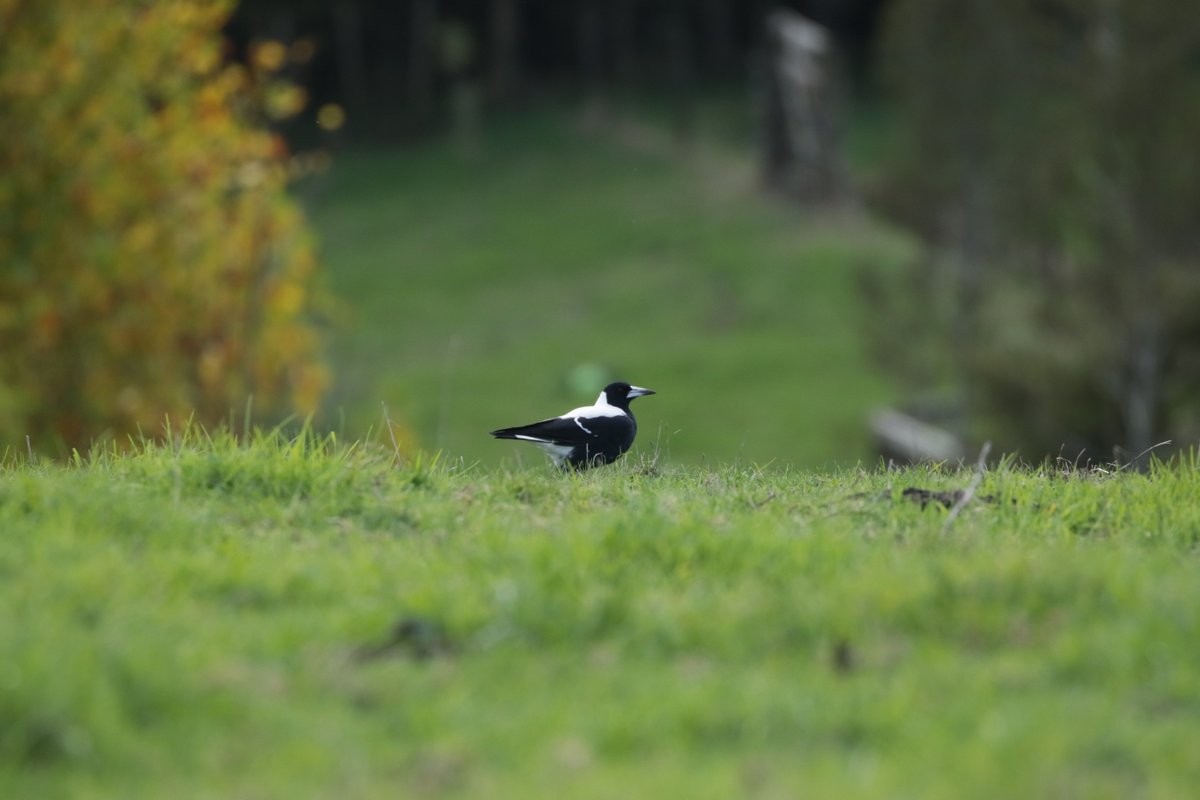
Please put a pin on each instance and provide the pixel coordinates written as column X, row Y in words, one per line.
column 587, row 436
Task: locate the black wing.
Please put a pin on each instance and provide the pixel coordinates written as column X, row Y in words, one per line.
column 574, row 431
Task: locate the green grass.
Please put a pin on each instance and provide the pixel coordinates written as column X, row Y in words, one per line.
column 212, row 620
column 474, row 288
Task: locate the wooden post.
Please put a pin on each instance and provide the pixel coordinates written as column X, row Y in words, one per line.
column 801, row 151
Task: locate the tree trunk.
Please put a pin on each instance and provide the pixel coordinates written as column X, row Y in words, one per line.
column 351, row 54
column 624, row 31
column 717, row 26
column 589, row 33
column 422, row 53
column 680, row 70
column 504, row 76
column 589, row 45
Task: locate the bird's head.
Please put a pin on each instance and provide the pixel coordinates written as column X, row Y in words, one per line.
column 620, row 393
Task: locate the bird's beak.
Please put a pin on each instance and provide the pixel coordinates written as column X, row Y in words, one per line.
column 638, row 391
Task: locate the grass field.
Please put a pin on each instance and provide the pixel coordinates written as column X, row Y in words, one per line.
column 293, row 618
column 484, row 290
column 720, row 615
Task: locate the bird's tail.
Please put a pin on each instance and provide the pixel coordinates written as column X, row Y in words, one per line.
column 509, row 433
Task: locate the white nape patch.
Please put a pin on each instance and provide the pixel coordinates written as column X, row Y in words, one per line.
column 582, row 427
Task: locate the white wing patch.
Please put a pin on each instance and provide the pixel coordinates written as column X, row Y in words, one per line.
column 582, row 427
column 598, row 410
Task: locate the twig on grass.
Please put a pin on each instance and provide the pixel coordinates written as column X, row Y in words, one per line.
column 755, row 505
column 969, row 492
column 1137, row 459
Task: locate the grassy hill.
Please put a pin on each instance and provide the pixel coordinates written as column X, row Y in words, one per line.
column 488, row 289
column 294, row 618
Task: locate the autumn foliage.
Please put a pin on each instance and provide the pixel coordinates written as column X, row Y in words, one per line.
column 151, row 263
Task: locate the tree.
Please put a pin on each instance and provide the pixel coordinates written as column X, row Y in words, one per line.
column 151, row 262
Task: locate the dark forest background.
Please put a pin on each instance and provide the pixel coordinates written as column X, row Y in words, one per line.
column 394, row 65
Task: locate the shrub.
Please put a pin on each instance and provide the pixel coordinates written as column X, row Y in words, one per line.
column 1052, row 167
column 151, row 263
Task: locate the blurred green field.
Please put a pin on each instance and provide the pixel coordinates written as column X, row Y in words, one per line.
column 476, row 288
column 294, row 619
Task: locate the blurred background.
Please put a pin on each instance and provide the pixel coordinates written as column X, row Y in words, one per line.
column 824, row 231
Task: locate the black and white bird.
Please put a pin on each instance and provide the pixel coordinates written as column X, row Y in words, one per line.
column 587, row 436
